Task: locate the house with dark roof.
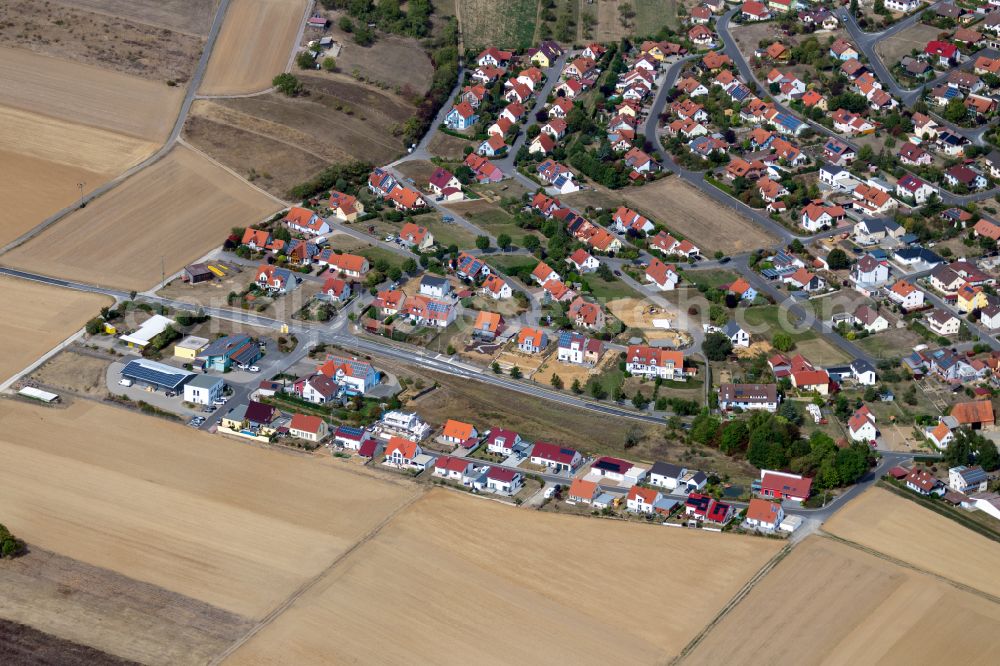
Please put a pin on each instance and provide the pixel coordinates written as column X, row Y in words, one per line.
column 225, row 352
column 666, row 475
column 557, row 458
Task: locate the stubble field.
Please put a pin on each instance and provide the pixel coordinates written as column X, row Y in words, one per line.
column 176, row 209
column 467, row 571
column 506, row 25
column 228, row 525
column 706, row 223
column 188, row 16
column 829, row 603
column 40, row 318
column 256, row 39
column 906, row 531
column 43, row 162
column 650, row 16
column 88, row 95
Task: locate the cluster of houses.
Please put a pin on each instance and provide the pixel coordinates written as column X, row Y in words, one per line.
column 966, row 486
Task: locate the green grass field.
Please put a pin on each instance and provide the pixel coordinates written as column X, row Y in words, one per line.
column 771, row 318
column 497, row 221
column 711, row 278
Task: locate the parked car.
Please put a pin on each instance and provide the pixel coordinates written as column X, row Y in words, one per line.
column 253, row 368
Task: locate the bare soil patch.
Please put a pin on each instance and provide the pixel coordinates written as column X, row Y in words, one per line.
column 20, row 644
column 464, row 537
column 278, row 142
column 254, row 45
column 904, row 530
column 877, row 612
column 75, row 371
column 115, row 38
column 449, row 147
column 394, row 62
column 88, row 95
column 892, row 50
column 177, row 209
column 41, row 317
column 183, row 510
column 90, row 606
column 687, row 211
column 640, row 313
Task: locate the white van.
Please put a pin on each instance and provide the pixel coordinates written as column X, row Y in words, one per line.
column 125, row 382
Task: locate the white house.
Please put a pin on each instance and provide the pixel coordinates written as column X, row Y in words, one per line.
column 737, row 336
column 504, row 481
column 642, row 500
column 967, row 480
column 943, row 322
column 308, row 428
column 764, row 514
column 861, row 425
column 203, row 389
column 645, row 361
column 666, row 475
column 906, row 295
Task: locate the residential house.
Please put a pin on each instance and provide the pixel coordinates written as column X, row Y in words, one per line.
column 742, row 288
column 532, row 340
column 488, row 325
column 965, row 479
column 838, row 153
column 943, row 322
column 747, row 397
column 345, row 207
column 764, row 514
column 843, row 50
column 458, row 433
column 617, row 470
column 653, row 362
column 705, row 508
column 462, row 116
column 626, row 220
column 870, row 320
column 335, row 290
column 970, row 297
column 308, row 428
column 818, row 215
column 666, row 475
column 861, row 426
column 805, row 280
column 557, row 458
column 870, row 273
column 275, row 280
column 913, row 155
column 923, row 482
column 356, row 376
column 784, row 486
column 582, row 491
column 586, row 314
column 351, row 265
column 808, row 380
column 578, row 349
column 502, row 442
column 664, row 276
column 305, row 221
column 496, row 288
column 401, row 452
column 906, row 295
column 914, row 189
column 961, row 175
column 583, row 262
column 945, row 54
column 422, row 310
column 503, row 481
column 642, row 500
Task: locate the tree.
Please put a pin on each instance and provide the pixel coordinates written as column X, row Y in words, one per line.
column 346, row 24
column 640, row 401
column 531, row 242
column 789, row 411
column 306, row 59
column 95, row 326
column 837, row 259
column 704, row 428
column 782, row 341
column 955, row 111
column 503, row 242
column 597, row 390
column 734, row 437
column 495, row 368
column 287, row 84
column 515, row 372
column 483, row 243
column 10, row 545
column 329, row 64
column 717, row 346
column 576, row 388
column 409, row 266
column 556, row 382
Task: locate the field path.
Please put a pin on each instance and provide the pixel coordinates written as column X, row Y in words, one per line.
column 309, row 584
column 182, row 115
column 737, row 598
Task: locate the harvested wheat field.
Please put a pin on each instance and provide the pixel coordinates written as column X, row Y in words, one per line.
column 187, row 16
column 88, row 95
column 40, row 317
column 231, row 525
column 176, row 209
column 902, row 529
column 254, row 45
column 43, row 161
column 829, row 603
column 687, row 211
column 434, row 572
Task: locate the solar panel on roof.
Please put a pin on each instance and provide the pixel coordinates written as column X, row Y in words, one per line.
column 159, row 375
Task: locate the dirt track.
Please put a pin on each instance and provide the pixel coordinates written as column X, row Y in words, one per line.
column 829, row 603
column 256, row 39
column 177, row 209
